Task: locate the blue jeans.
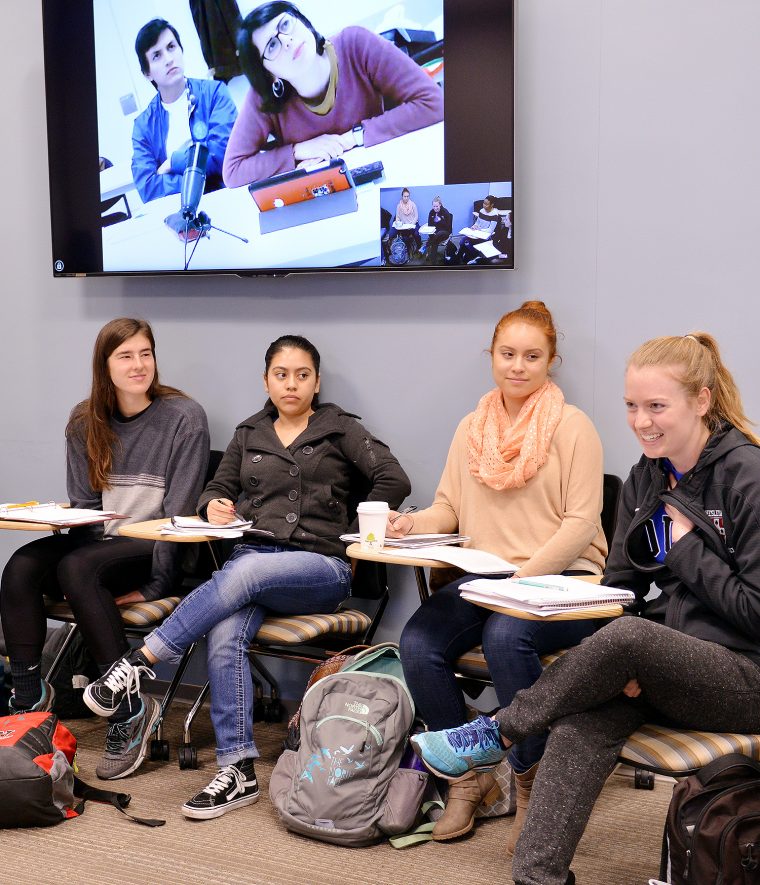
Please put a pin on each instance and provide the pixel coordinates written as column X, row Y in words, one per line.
column 229, row 609
column 446, row 626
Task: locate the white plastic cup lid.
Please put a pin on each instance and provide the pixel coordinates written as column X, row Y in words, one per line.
column 373, row 507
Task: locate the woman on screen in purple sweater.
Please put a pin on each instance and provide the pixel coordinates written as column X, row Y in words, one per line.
column 313, row 99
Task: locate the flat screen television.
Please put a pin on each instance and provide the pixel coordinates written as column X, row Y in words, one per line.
column 379, row 136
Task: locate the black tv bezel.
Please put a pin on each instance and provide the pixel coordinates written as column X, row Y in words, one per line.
column 72, row 130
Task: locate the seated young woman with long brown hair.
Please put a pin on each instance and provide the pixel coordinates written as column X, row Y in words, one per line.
column 134, row 446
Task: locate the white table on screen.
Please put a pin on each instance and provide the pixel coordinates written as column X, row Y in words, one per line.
column 115, row 181
column 145, row 242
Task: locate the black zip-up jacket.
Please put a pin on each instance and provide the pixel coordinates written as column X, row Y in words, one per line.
column 306, row 493
column 710, row 579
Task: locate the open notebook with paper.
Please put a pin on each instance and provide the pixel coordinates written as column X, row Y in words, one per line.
column 544, row 595
column 475, row 562
column 194, row 525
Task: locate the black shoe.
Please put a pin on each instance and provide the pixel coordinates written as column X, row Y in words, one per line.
column 233, row 787
column 104, row 695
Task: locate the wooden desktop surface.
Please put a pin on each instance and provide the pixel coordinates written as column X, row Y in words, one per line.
column 150, row 530
column 354, row 551
column 13, row 525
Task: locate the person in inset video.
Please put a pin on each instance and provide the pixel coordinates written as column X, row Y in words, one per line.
column 408, row 214
column 314, row 99
column 486, row 221
column 184, row 110
column 441, row 219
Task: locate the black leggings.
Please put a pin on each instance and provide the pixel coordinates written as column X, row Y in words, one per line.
column 88, row 573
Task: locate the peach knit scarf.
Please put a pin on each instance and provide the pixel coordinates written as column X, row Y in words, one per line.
column 505, row 456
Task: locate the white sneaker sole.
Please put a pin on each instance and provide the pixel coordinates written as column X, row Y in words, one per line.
column 209, row 813
column 95, row 706
column 154, row 717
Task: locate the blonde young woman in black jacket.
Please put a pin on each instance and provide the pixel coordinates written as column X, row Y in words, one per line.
column 689, row 521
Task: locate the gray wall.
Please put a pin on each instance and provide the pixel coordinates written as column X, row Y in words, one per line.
column 635, row 206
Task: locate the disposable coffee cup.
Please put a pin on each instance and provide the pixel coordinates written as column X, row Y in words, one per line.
column 373, row 517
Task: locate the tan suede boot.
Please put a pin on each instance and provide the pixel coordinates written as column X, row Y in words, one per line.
column 524, row 784
column 465, row 794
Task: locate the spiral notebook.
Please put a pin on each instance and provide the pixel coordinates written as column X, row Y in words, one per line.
column 544, row 595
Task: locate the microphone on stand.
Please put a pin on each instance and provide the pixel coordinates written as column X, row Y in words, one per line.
column 188, row 223
column 193, row 180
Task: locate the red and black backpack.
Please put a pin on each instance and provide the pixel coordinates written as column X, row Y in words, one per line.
column 38, row 786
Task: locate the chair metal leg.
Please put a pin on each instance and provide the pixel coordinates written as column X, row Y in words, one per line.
column 270, row 710
column 159, row 748
column 187, row 754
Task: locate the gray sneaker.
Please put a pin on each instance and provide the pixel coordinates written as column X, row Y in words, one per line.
column 127, row 742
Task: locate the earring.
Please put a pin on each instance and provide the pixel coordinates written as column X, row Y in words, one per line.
column 278, row 88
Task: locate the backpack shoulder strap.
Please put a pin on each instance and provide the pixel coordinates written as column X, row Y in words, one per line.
column 726, row 763
column 118, row 800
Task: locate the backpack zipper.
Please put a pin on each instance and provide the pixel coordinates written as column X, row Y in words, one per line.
column 718, row 795
column 367, row 728
column 749, row 862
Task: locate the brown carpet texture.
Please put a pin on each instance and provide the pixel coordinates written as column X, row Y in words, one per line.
column 621, row 845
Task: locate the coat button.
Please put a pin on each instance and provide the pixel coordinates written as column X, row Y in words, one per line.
column 253, row 481
column 307, row 450
column 256, row 458
column 257, row 502
column 332, row 503
column 291, row 518
column 294, row 471
column 293, row 495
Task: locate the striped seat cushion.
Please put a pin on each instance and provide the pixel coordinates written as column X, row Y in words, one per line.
column 297, row 629
column 473, row 663
column 139, row 614
column 676, row 751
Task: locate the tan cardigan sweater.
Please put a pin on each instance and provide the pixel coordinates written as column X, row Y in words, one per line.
column 550, row 525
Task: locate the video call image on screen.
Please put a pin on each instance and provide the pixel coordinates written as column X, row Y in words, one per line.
column 350, row 107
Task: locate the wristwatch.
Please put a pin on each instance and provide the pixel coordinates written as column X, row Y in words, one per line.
column 358, row 135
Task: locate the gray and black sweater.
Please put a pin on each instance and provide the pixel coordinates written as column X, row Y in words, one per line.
column 159, row 465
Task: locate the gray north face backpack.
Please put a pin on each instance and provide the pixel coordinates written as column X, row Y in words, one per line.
column 344, row 784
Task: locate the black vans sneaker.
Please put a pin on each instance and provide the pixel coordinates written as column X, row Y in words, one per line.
column 104, row 695
column 233, row 787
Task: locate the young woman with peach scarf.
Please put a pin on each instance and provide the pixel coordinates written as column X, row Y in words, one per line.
column 523, row 479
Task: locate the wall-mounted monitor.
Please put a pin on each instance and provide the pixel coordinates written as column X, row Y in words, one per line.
column 275, row 138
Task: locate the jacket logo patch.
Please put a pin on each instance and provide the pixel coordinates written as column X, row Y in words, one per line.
column 717, row 517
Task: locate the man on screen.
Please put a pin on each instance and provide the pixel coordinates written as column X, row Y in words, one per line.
column 183, row 111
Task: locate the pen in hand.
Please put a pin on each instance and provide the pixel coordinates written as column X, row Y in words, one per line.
column 405, row 512
column 231, row 508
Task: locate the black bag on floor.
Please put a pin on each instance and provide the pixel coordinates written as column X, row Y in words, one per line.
column 712, row 831
column 76, row 670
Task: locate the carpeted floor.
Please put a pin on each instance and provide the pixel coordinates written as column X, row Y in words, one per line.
column 621, row 846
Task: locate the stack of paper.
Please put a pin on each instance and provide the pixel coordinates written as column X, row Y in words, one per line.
column 470, row 560
column 54, row 514
column 476, row 233
column 545, row 595
column 433, row 540
column 194, row 525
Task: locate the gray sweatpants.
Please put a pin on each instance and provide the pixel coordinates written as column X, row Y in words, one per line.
column 686, row 682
